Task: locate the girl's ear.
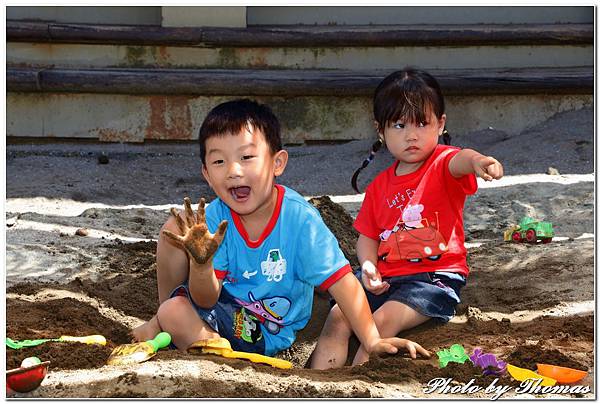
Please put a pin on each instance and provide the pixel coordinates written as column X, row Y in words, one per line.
column 379, row 131
column 280, row 160
column 441, row 124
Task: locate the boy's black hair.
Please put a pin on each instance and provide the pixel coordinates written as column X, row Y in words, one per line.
column 409, row 95
column 230, row 117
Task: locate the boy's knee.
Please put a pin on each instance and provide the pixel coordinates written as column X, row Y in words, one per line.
column 172, row 308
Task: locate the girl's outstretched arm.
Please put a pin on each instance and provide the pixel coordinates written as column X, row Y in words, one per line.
column 468, row 161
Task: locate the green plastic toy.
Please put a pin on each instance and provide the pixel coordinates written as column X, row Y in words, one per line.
column 456, row 353
column 530, row 230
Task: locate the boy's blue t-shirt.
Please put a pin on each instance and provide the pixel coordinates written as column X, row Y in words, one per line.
column 273, row 278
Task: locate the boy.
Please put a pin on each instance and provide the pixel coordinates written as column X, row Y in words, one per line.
column 252, row 281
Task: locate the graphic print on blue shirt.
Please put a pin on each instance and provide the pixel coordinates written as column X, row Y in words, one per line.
column 269, row 311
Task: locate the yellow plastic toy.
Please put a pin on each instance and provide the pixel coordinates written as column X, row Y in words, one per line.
column 521, row 374
column 220, row 346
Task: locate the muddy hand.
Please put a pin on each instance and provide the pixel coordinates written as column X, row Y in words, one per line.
column 199, row 243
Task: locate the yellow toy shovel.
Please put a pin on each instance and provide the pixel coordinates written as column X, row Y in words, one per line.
column 140, row 351
column 222, row 347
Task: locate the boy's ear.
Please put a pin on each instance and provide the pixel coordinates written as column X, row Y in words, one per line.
column 280, row 160
column 205, row 175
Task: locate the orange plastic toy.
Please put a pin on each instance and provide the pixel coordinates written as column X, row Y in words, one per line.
column 560, row 373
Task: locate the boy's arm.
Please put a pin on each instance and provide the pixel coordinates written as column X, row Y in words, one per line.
column 351, row 299
column 204, row 286
column 200, row 246
column 469, row 161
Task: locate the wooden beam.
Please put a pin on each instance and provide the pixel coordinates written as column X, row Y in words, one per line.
column 302, row 36
column 578, row 80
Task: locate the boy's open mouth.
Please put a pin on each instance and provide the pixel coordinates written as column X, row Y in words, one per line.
column 240, row 193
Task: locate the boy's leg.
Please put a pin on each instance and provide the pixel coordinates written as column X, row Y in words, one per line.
column 391, row 318
column 178, row 317
column 172, row 266
column 332, row 347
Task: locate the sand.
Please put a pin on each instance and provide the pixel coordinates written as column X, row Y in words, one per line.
column 522, row 302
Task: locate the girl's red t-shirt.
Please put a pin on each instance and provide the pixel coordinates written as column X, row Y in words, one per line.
column 429, row 234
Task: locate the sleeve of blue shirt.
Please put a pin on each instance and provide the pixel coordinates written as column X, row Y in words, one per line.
column 319, row 252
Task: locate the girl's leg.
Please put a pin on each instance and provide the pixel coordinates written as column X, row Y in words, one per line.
column 177, row 317
column 332, row 346
column 391, row 318
column 172, row 268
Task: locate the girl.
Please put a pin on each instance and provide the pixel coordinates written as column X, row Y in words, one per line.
column 411, row 243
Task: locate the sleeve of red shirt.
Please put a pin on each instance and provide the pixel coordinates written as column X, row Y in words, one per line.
column 365, row 222
column 467, row 183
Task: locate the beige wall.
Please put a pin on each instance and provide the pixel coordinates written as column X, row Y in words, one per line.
column 267, row 15
column 204, row 17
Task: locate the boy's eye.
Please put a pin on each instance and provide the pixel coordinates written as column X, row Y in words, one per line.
column 247, row 157
column 217, row 162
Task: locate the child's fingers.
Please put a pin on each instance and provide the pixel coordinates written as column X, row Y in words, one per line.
column 220, row 233
column 496, row 170
column 482, row 173
column 178, row 220
column 201, row 211
column 173, row 236
column 424, row 352
column 411, row 351
column 189, row 213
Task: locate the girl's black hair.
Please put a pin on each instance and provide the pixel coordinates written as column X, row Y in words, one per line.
column 408, row 94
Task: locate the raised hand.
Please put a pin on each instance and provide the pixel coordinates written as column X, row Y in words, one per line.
column 196, row 240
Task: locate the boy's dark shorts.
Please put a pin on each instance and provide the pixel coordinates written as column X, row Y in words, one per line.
column 432, row 294
column 222, row 318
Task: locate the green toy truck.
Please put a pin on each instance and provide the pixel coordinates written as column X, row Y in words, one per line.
column 530, row 230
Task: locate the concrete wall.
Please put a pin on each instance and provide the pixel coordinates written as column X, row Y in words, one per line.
column 83, row 55
column 418, row 15
column 87, row 55
column 87, row 15
column 111, row 117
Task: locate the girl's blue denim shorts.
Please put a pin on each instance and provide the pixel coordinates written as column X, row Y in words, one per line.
column 432, row 294
column 228, row 319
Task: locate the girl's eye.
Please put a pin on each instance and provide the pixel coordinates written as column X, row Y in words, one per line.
column 422, row 124
column 398, row 125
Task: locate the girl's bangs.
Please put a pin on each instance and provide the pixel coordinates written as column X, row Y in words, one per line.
column 412, row 107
